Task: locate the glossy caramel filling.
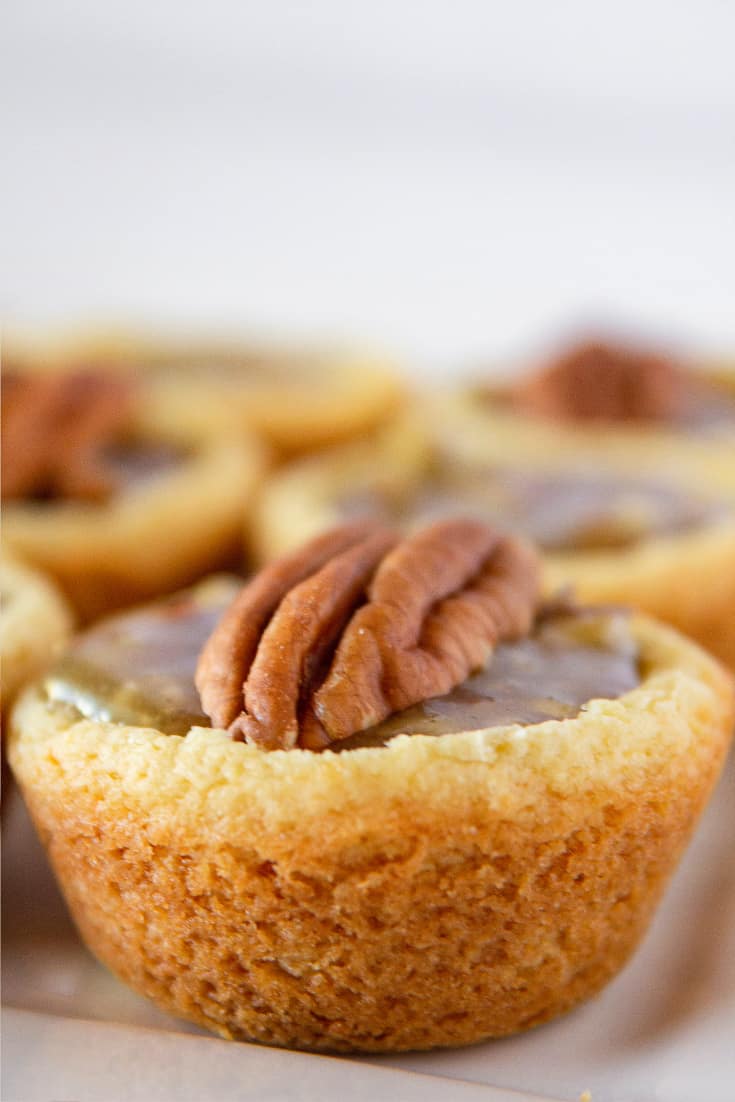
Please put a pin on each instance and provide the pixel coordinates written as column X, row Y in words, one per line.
column 138, row 669
column 560, row 511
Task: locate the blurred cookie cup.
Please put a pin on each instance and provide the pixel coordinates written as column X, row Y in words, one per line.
column 410, row 806
column 370, row 478
column 599, row 390
column 645, row 519
column 296, row 397
column 620, row 416
column 113, row 507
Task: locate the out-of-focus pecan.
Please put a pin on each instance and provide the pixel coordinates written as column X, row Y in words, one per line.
column 356, row 626
column 605, row 382
column 54, row 430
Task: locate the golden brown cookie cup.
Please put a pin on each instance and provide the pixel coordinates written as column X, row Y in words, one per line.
column 436, row 891
column 148, row 539
column 686, row 579
column 296, row 398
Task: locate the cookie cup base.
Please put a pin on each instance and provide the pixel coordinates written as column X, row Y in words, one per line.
column 438, row 891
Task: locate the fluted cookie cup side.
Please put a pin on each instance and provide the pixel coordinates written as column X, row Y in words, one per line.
column 436, row 891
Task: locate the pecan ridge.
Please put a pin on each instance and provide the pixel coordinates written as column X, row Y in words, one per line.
column 605, row 382
column 268, row 642
column 357, row 625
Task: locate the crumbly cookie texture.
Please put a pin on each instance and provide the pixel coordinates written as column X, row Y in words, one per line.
column 35, row 622
column 431, row 892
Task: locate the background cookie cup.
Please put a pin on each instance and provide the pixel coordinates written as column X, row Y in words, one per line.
column 433, row 892
column 147, row 539
column 467, row 414
column 296, row 397
column 306, row 497
column 597, row 389
column 685, row 578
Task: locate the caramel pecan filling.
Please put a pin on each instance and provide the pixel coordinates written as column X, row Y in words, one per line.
column 359, row 624
column 604, row 382
column 55, row 429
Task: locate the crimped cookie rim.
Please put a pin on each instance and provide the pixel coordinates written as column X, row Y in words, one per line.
column 684, row 701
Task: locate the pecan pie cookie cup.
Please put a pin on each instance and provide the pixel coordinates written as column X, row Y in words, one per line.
column 601, row 404
column 297, row 398
column 647, row 521
column 430, row 889
column 111, row 508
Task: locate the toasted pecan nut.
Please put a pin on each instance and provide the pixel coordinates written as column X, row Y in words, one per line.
column 352, row 628
column 605, row 382
column 54, row 431
column 437, row 606
column 268, row 642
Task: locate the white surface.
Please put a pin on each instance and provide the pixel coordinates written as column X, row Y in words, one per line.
column 453, row 179
column 661, row 1032
column 102, row 1063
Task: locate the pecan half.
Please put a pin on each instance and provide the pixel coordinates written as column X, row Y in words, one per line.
column 356, row 626
column 54, row 430
column 605, row 382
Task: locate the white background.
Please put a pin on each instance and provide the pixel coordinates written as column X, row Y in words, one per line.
column 450, row 179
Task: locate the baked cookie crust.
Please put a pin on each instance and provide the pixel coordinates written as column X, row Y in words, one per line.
column 437, row 891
